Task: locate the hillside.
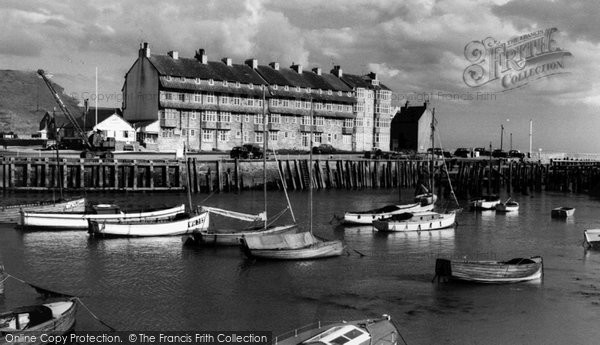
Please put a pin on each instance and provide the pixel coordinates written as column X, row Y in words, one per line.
column 24, row 99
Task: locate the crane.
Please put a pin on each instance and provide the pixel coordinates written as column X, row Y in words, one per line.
column 89, row 148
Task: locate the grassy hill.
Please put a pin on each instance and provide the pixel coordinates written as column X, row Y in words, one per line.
column 25, row 98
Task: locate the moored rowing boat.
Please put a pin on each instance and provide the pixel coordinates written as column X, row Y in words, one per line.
column 79, row 221
column 511, row 271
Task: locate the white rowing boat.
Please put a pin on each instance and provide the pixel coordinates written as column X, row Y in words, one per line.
column 79, row 221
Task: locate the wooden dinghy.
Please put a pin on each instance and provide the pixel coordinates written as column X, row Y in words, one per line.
column 507, row 206
column 380, row 331
column 386, row 212
column 425, row 221
column 12, row 213
column 50, row 319
column 102, row 213
column 592, row 238
column 511, row 271
column 485, row 202
column 181, row 225
column 286, row 246
column 562, row 212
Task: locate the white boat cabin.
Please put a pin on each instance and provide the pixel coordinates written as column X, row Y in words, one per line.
column 341, row 335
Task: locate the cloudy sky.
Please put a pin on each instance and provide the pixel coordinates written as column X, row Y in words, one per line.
column 417, row 47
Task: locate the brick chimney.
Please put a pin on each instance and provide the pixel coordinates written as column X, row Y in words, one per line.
column 253, row 63
column 144, row 50
column 227, row 61
column 274, row 65
column 201, row 56
column 297, row 68
column 174, row 54
column 317, row 70
column 337, row 71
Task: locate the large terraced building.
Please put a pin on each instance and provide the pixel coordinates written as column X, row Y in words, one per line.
column 216, row 105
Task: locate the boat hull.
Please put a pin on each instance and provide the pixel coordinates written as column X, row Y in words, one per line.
column 79, row 221
column 562, row 212
column 316, row 251
column 360, row 218
column 63, row 321
column 592, row 238
column 503, row 207
column 233, row 238
column 150, row 229
column 493, row 272
column 419, row 222
column 380, row 332
column 485, row 204
column 12, row 213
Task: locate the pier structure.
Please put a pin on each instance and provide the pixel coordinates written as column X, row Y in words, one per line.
column 469, row 177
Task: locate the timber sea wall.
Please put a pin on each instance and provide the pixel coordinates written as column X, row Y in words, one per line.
column 468, row 176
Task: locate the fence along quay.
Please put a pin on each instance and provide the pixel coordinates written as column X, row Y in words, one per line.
column 469, row 177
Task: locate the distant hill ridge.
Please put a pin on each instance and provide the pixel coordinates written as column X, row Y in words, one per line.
column 25, row 98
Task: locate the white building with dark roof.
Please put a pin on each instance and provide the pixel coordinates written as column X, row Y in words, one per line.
column 215, row 105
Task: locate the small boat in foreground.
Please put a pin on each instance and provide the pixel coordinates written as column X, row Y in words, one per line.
column 562, row 212
column 424, row 221
column 511, row 271
column 102, row 213
column 507, row 206
column 12, row 213
column 182, row 224
column 485, row 202
column 380, row 331
column 288, row 246
column 592, row 238
column 52, row 319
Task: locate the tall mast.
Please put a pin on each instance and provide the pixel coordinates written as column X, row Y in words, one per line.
column 431, row 169
column 189, row 178
column 310, row 158
column 265, row 142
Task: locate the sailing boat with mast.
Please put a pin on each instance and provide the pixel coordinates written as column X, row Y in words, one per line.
column 232, row 237
column 420, row 221
column 487, row 202
column 294, row 246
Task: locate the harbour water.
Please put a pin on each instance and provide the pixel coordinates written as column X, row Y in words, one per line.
column 161, row 284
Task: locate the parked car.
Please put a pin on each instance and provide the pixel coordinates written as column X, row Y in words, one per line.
column 462, row 152
column 499, row 154
column 482, row 151
column 439, row 152
column 246, row 151
column 323, row 148
column 516, row 154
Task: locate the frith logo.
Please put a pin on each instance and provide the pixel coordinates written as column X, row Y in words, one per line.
column 516, row 62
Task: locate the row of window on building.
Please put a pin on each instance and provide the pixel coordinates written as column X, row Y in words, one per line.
column 211, row 98
column 226, row 117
